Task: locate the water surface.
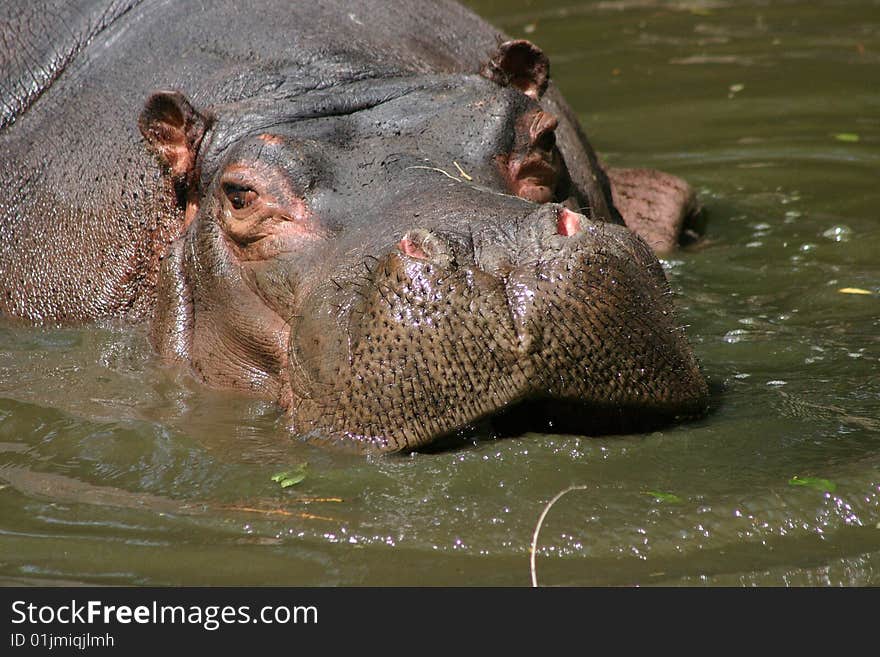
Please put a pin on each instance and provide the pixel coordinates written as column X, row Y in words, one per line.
column 115, row 470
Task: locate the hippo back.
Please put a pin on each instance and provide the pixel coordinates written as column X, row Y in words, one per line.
column 40, row 39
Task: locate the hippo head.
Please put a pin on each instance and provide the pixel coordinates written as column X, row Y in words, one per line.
column 394, row 260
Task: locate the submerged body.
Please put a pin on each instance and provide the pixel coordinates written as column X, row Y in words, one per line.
column 370, row 212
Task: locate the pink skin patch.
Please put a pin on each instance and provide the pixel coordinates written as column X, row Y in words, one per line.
column 411, row 249
column 192, row 209
column 533, row 166
column 271, row 139
column 567, row 222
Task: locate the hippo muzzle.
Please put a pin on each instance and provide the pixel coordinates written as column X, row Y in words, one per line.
column 447, row 328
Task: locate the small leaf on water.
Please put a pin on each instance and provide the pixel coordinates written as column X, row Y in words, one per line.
column 853, row 290
column 849, row 137
column 293, row 481
column 825, row 485
column 290, row 477
column 663, row 497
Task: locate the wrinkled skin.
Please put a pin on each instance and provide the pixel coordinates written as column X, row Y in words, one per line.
column 394, row 227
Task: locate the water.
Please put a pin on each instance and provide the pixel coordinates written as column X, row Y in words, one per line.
column 115, row 470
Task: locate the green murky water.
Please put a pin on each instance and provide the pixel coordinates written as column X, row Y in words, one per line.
column 116, row 471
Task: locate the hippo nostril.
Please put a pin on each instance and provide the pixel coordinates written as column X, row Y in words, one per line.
column 412, row 249
column 425, row 245
column 568, row 223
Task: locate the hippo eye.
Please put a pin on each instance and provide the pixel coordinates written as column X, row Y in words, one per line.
column 239, row 196
column 547, row 141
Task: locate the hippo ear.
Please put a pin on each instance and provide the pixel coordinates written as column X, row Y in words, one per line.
column 520, row 64
column 174, row 129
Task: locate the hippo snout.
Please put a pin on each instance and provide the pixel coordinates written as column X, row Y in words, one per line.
column 449, row 327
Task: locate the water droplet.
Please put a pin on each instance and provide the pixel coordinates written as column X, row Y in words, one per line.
column 734, row 336
column 839, row 233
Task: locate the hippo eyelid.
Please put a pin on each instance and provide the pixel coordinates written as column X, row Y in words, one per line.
column 229, row 187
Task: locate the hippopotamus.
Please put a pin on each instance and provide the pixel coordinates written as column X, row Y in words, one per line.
column 380, row 214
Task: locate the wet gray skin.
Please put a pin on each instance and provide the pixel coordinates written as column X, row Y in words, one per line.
column 402, row 317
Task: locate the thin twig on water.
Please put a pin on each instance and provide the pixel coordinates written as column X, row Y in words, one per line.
column 445, row 173
column 461, row 171
column 534, row 547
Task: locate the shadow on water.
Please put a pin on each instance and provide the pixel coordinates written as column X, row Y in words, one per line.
column 561, row 417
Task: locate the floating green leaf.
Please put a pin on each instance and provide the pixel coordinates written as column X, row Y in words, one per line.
column 290, row 477
column 849, row 137
column 825, row 485
column 663, row 497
